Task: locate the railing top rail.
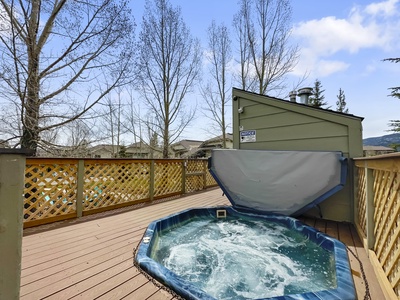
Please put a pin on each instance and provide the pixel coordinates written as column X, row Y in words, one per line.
column 105, row 160
column 379, row 157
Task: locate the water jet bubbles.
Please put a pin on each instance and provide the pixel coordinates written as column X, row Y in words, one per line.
column 242, row 259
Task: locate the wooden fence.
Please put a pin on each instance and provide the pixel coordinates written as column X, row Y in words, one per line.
column 58, row 189
column 377, row 217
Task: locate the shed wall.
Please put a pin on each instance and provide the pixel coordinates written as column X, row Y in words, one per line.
column 283, row 125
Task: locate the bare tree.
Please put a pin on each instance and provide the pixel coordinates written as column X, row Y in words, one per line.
column 266, row 55
column 112, row 119
column 71, row 140
column 141, row 125
column 169, row 63
column 60, row 58
column 215, row 93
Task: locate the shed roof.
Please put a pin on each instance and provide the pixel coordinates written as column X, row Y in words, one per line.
column 306, row 109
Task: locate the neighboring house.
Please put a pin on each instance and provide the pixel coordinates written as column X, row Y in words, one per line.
column 205, row 148
column 184, row 148
column 376, row 150
column 135, row 150
column 4, row 144
column 80, row 151
column 142, row 150
column 104, row 151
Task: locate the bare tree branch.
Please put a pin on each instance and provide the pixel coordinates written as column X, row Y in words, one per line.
column 215, row 93
column 266, row 56
column 168, row 66
column 62, row 55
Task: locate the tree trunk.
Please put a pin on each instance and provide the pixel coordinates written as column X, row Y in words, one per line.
column 166, row 141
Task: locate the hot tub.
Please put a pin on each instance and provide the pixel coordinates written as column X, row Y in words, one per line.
column 303, row 264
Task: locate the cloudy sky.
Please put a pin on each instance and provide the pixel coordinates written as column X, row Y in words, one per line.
column 342, row 42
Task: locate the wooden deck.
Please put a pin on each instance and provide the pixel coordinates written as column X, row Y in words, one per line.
column 91, row 258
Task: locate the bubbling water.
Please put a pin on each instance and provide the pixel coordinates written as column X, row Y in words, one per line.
column 245, row 259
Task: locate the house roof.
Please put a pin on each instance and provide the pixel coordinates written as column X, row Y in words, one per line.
column 228, row 136
column 377, row 148
column 105, row 147
column 287, row 102
column 186, row 144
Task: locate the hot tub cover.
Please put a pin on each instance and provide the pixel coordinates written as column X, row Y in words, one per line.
column 285, row 182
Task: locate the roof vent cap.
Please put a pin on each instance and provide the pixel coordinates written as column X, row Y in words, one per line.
column 304, row 94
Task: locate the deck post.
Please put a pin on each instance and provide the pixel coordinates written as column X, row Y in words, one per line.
column 12, row 175
column 370, row 209
column 204, row 175
column 184, row 164
column 79, row 189
column 151, row 186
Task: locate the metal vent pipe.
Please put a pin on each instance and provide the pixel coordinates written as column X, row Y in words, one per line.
column 292, row 96
column 304, row 94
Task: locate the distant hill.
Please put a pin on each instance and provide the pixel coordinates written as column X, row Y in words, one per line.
column 385, row 140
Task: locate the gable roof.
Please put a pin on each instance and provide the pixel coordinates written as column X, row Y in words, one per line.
column 287, row 104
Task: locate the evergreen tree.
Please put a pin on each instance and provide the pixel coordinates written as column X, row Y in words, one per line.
column 394, row 124
column 317, row 99
column 341, row 103
column 122, row 151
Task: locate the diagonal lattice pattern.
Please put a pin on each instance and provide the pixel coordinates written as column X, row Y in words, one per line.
column 167, row 177
column 50, row 189
column 51, row 185
column 387, row 224
column 115, row 182
column 361, row 198
column 196, row 171
column 210, row 180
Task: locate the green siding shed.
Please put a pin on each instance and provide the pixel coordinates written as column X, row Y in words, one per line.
column 277, row 124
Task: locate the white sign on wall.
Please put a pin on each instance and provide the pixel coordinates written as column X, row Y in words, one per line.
column 248, row 136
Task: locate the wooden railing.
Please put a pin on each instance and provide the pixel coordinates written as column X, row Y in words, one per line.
column 377, row 217
column 58, row 189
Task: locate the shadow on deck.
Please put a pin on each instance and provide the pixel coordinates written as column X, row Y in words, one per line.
column 91, row 258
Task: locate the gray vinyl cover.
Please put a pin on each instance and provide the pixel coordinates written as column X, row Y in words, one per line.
column 285, row 182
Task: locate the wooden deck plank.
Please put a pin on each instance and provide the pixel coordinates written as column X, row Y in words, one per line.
column 145, row 292
column 159, row 295
column 373, row 285
column 92, row 257
column 45, row 270
column 78, row 273
column 94, row 280
column 136, row 280
column 142, row 286
column 332, row 229
column 346, row 237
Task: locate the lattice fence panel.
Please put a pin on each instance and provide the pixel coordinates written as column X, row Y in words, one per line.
column 194, row 183
column 116, row 182
column 387, row 225
column 167, row 177
column 196, row 169
column 195, row 165
column 50, row 189
column 361, row 198
column 210, row 180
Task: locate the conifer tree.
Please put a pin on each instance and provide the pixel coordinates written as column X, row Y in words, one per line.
column 317, row 99
column 394, row 124
column 341, row 103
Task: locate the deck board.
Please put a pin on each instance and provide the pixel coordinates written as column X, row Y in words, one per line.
column 91, row 257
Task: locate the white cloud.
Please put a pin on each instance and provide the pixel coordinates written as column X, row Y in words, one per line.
column 330, row 35
column 317, row 67
column 322, row 39
column 386, row 8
